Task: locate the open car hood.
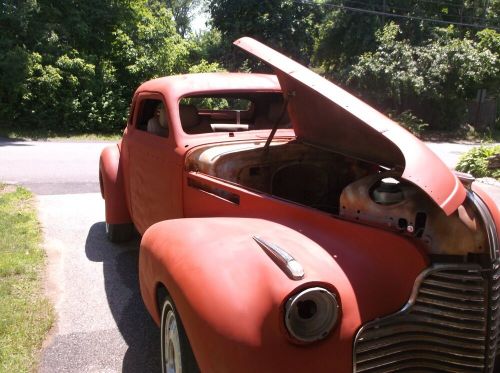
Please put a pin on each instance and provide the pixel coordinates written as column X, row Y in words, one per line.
column 325, row 115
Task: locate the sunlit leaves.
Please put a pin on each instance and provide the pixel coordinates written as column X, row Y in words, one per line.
column 433, row 79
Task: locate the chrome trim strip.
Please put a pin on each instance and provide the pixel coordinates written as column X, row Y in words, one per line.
column 466, row 179
column 408, row 306
column 284, row 260
column 489, row 223
column 214, row 191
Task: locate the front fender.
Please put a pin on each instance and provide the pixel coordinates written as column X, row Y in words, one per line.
column 230, row 295
column 112, row 186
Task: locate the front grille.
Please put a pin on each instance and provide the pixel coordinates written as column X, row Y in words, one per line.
column 449, row 325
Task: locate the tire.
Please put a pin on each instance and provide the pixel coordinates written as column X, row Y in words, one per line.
column 176, row 353
column 119, row 232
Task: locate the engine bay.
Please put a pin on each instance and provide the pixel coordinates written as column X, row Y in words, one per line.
column 343, row 187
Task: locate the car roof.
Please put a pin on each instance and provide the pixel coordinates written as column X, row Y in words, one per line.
column 178, row 86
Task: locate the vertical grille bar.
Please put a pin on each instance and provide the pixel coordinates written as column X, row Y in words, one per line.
column 493, row 316
column 450, row 324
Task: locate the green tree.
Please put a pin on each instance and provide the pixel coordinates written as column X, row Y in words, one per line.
column 344, row 34
column 285, row 25
column 15, row 19
column 493, row 13
column 74, row 65
column 433, row 80
column 183, row 11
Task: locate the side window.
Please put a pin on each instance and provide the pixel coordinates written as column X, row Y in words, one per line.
column 152, row 117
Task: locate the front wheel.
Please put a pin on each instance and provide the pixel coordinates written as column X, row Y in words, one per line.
column 176, row 353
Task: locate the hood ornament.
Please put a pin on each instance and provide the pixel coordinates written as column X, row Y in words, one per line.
column 284, row 260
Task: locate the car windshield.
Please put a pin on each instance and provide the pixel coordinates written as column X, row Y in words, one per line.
column 232, row 112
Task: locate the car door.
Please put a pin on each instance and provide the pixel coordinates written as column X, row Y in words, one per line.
column 154, row 169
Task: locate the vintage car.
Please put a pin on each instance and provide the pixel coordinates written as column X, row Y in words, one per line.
column 288, row 226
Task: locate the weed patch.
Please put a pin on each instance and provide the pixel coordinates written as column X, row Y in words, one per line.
column 475, row 162
column 25, row 314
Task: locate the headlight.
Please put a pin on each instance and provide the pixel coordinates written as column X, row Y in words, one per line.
column 311, row 314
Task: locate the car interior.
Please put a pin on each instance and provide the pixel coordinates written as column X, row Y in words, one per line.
column 232, row 112
column 148, row 110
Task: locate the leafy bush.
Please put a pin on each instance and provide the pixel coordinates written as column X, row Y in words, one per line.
column 77, row 70
column 434, row 80
column 409, row 121
column 475, row 161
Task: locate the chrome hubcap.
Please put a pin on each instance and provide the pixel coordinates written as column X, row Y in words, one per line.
column 171, row 346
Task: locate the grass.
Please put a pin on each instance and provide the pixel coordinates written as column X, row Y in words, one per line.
column 25, row 314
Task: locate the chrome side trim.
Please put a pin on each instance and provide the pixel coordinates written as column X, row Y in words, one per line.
column 489, row 223
column 284, row 260
column 466, row 179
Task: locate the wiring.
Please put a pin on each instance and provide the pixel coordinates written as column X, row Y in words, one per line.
column 398, row 15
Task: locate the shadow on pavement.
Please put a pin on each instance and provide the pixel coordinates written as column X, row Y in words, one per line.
column 120, row 266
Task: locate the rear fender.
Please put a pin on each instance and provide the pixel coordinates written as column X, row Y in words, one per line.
column 112, row 186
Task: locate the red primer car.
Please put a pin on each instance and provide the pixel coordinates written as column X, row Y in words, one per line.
column 288, row 226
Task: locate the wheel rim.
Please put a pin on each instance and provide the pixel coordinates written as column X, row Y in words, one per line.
column 171, row 347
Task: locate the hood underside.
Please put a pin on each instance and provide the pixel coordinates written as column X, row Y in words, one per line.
column 325, row 115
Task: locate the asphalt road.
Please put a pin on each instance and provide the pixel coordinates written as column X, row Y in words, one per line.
column 102, row 325
column 51, row 167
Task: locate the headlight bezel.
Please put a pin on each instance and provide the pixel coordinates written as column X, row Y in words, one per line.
column 311, row 313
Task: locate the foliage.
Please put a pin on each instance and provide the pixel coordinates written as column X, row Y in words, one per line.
column 475, row 161
column 285, row 25
column 409, row 121
column 342, row 36
column 217, row 103
column 68, row 65
column 77, row 69
column 25, row 315
column 493, row 13
column 207, row 46
column 433, row 80
column 345, row 34
column 182, row 11
column 204, row 67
